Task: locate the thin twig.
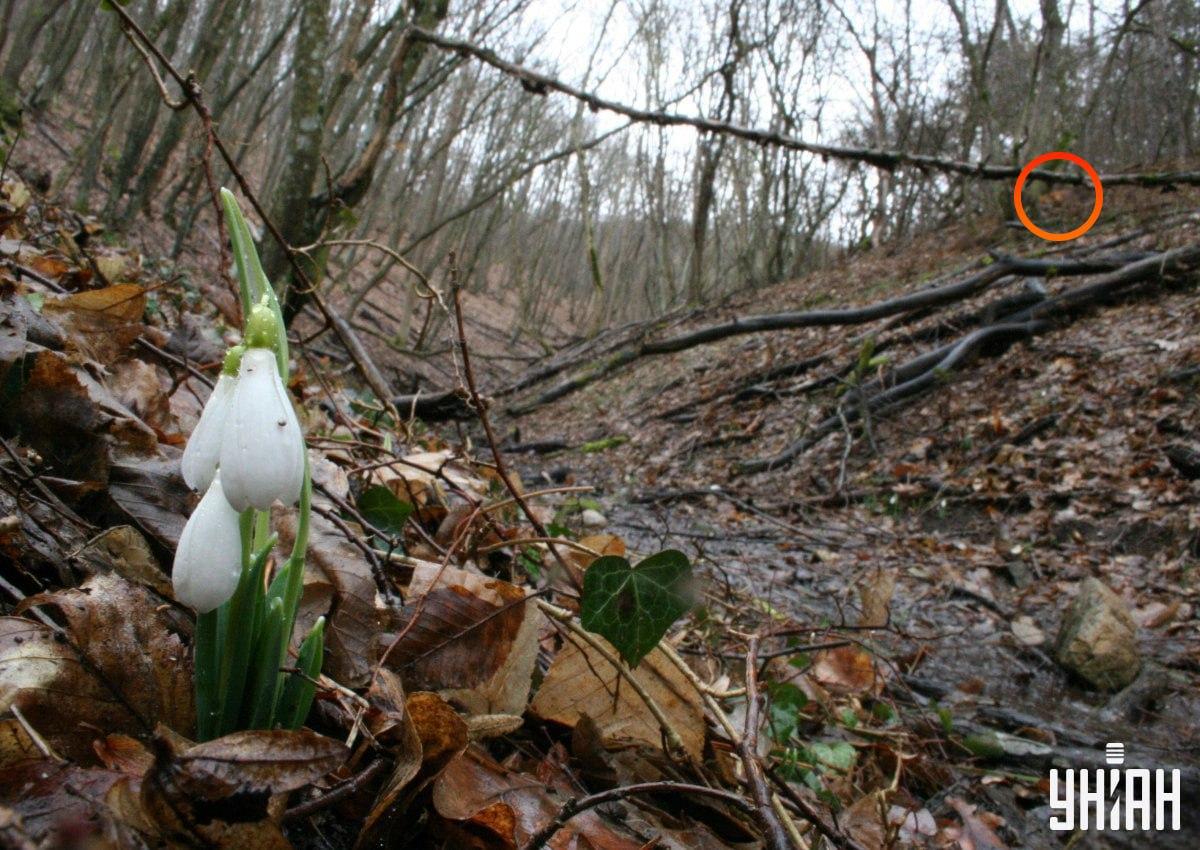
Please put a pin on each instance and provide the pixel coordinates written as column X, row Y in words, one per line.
column 582, row 804
column 768, row 818
column 350, row 786
column 481, row 411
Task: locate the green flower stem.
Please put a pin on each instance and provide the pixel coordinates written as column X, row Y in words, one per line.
column 206, row 659
column 300, row 688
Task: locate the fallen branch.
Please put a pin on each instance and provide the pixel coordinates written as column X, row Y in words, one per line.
column 924, row 299
column 927, row 370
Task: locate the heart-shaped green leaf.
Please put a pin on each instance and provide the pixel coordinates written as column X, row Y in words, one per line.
column 632, row 607
column 380, row 507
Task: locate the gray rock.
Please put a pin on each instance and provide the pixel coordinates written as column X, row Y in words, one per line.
column 593, row 518
column 1098, row 638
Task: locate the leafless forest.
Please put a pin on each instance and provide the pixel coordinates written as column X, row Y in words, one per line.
column 425, row 127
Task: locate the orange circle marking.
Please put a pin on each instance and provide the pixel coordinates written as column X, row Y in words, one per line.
column 1078, row 231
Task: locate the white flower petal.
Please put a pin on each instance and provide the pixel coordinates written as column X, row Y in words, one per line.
column 203, row 449
column 208, row 561
column 262, row 454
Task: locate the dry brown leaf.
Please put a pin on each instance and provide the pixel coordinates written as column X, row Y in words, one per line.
column 976, row 833
column 97, row 809
column 601, row 544
column 119, row 668
column 474, row 639
column 875, row 594
column 500, row 808
column 847, row 670
column 125, row 551
column 390, row 722
column 438, row 736
column 221, row 791
column 581, row 683
column 15, row 744
column 141, row 387
column 101, row 323
column 258, row 760
column 150, row 491
column 124, row 754
column 409, row 477
column 443, row 734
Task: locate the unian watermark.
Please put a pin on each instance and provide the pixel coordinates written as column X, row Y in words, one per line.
column 1115, row 798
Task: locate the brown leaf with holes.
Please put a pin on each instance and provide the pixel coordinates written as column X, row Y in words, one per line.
column 116, row 667
column 581, row 683
column 474, row 639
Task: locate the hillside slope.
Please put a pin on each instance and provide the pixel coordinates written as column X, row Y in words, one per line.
column 978, row 507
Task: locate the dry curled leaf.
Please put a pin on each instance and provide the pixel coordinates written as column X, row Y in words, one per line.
column 433, row 736
column 847, row 670
column 489, row 806
column 474, row 639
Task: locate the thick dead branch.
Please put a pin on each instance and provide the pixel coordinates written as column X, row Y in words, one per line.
column 925, row 299
column 444, row 406
column 928, row 370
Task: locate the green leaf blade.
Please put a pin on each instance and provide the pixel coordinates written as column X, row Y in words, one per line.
column 380, row 507
column 632, row 607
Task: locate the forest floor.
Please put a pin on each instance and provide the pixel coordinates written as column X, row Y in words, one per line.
column 908, row 579
column 977, row 508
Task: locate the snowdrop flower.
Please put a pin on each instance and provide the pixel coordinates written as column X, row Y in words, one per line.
column 262, row 453
column 203, row 449
column 208, row 561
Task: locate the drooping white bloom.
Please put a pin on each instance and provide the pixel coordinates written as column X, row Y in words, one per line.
column 262, row 453
column 208, row 561
column 203, row 449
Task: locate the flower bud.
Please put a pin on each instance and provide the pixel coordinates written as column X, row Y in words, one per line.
column 262, row 330
column 208, row 561
column 262, row 453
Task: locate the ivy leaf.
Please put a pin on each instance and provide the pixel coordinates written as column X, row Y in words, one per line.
column 383, row 510
column 632, row 607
